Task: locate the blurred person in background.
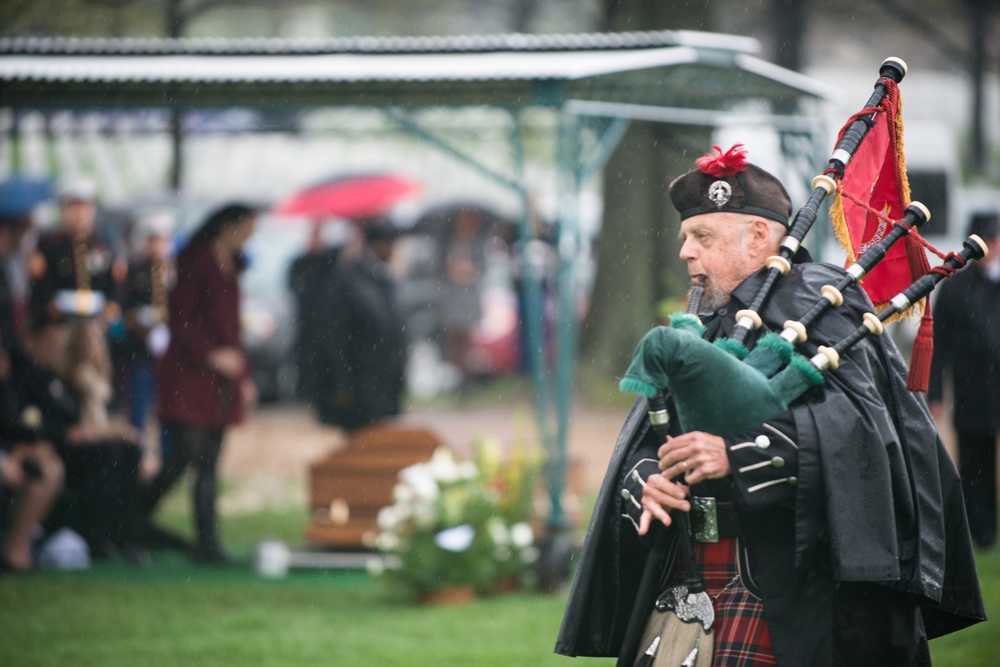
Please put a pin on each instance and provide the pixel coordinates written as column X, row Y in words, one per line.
column 967, row 351
column 86, row 368
column 13, row 276
column 31, row 477
column 144, row 305
column 100, row 456
column 362, row 362
column 72, row 267
column 31, row 473
column 463, row 259
column 305, row 281
column 204, row 378
column 87, row 371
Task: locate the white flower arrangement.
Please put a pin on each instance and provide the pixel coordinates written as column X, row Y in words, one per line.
column 446, row 528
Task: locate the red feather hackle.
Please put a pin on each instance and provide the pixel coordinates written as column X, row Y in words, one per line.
column 725, row 164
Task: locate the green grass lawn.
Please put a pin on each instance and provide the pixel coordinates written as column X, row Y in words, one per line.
column 980, row 644
column 172, row 613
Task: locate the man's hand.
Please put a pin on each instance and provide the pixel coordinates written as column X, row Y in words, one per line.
column 696, row 455
column 659, row 496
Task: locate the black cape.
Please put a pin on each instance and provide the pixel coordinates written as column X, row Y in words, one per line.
column 878, row 500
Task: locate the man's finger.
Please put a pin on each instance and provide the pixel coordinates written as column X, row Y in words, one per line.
column 661, row 503
column 665, row 448
column 663, row 486
column 657, row 512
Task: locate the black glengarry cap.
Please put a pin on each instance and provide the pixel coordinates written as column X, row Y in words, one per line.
column 726, row 182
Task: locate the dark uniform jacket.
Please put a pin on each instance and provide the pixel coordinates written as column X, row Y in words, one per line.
column 144, row 300
column 363, row 357
column 860, row 525
column 38, row 387
column 56, row 265
column 967, row 341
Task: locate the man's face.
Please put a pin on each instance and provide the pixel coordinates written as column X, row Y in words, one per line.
column 157, row 246
column 383, row 249
column 991, row 263
column 78, row 217
column 993, row 248
column 715, row 245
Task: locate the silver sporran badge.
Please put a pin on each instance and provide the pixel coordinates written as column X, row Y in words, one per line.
column 719, row 193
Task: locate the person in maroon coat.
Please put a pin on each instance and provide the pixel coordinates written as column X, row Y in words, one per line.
column 204, row 376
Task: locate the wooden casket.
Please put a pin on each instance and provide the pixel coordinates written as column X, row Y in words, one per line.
column 350, row 486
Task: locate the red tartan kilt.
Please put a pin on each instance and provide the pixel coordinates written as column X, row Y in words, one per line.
column 741, row 635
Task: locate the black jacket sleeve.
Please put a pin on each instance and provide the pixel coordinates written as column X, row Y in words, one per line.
column 765, row 463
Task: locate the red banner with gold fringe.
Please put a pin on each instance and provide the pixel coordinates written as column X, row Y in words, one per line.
column 873, row 192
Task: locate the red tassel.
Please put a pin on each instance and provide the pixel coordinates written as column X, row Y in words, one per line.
column 923, row 349
column 725, row 164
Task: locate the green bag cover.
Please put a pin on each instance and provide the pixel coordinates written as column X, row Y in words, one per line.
column 770, row 354
column 687, row 322
column 797, row 378
column 712, row 390
column 738, row 350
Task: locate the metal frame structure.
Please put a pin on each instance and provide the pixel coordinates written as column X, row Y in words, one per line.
column 597, row 83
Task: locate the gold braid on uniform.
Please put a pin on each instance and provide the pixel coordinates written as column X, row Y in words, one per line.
column 81, row 263
column 158, row 288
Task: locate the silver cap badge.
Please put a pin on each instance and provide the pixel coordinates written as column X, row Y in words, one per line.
column 719, row 193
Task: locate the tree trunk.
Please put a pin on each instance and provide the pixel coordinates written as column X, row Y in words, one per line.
column 637, row 263
column 176, row 22
column 788, row 25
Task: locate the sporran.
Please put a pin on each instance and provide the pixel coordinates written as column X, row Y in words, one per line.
column 668, row 641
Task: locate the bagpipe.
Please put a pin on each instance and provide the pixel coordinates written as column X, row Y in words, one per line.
column 722, row 387
column 725, row 388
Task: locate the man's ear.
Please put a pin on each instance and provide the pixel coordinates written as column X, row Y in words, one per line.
column 759, row 236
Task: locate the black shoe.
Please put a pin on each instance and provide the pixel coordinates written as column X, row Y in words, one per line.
column 155, row 537
column 211, row 556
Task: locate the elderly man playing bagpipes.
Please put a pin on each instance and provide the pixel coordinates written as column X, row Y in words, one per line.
column 781, row 498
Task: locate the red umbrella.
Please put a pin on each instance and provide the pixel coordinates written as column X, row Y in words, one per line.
column 349, row 197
